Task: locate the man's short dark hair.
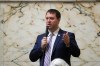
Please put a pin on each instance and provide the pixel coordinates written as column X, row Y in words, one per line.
column 54, row 11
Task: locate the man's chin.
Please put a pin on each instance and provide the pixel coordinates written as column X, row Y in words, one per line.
column 49, row 27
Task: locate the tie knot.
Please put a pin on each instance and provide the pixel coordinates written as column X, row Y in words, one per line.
column 52, row 34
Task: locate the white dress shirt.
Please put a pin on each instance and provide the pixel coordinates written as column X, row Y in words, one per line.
column 53, row 38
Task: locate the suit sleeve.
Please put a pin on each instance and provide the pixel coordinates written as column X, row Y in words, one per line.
column 36, row 52
column 74, row 49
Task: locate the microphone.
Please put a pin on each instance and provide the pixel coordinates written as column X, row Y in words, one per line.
column 46, row 32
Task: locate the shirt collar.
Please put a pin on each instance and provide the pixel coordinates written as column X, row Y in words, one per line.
column 55, row 32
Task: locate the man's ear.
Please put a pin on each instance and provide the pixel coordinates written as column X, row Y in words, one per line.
column 59, row 19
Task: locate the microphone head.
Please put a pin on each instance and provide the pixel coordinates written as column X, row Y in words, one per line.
column 46, row 31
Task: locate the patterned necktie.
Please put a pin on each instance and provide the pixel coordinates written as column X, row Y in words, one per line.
column 47, row 59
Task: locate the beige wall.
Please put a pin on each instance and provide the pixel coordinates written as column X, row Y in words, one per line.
column 21, row 22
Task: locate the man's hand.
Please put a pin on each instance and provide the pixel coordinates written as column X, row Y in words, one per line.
column 44, row 43
column 66, row 39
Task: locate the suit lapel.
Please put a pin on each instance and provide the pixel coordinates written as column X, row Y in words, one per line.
column 59, row 36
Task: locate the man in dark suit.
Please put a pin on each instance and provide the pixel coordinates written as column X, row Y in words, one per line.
column 63, row 43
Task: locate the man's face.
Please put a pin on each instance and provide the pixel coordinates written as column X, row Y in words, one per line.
column 52, row 21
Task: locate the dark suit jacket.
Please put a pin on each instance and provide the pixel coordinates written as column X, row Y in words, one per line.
column 59, row 50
